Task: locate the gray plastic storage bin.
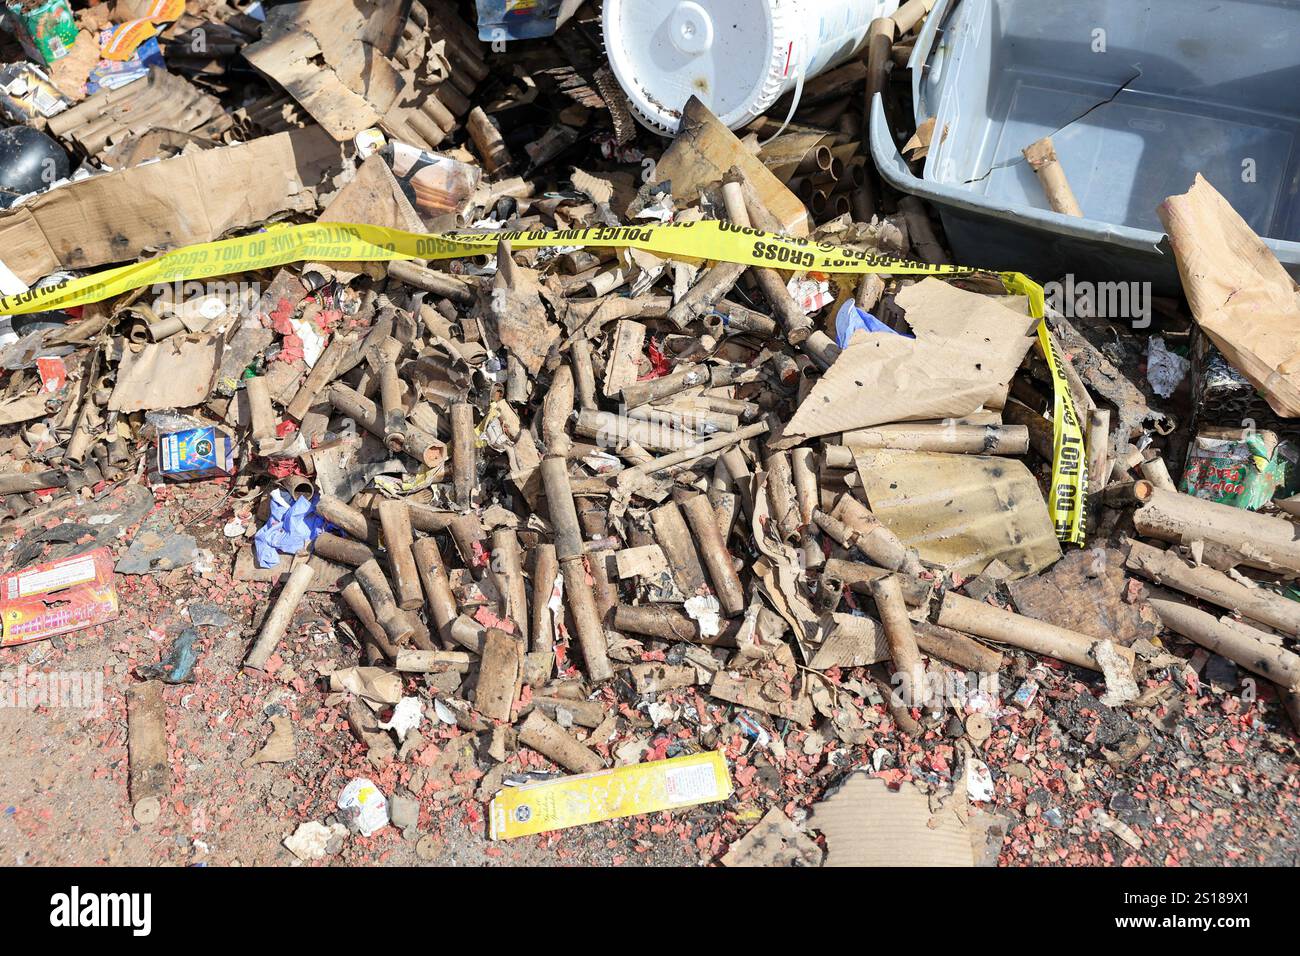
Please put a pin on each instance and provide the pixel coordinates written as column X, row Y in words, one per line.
column 1137, row 97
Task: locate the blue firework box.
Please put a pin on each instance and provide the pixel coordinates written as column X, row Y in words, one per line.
column 196, row 453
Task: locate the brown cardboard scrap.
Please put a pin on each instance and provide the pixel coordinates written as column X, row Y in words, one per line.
column 758, row 695
column 967, row 348
column 774, row 841
column 705, row 150
column 375, row 198
column 518, row 315
column 867, row 824
column 852, row 641
column 1238, row 292
column 177, row 373
column 23, row 409
column 961, row 512
column 1084, row 592
column 197, row 197
column 379, row 685
column 278, row 747
column 325, row 54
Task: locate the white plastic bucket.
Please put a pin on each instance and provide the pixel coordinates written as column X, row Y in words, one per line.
column 737, row 56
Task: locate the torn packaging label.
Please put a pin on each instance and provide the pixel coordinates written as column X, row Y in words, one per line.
column 610, row 794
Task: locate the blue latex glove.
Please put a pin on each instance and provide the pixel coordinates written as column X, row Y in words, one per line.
column 850, row 319
column 292, row 526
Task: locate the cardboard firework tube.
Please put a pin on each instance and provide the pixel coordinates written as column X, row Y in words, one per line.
column 956, row 648
column 1098, row 449
column 146, row 734
column 277, row 622
column 439, row 283
column 321, row 374
column 792, row 318
column 803, row 468
column 355, row 598
column 1258, row 604
column 384, row 361
column 797, row 325
column 488, row 141
column 396, row 625
column 897, row 709
column 438, row 597
column 508, row 564
column 336, row 511
column 1039, row 428
column 820, row 348
column 1251, row 539
column 584, row 375
column 728, row 318
column 1236, row 643
column 713, row 549
column 331, row 547
column 604, row 589
column 910, row 14
column 259, row 407
column 553, row 742
column 468, row 633
column 542, row 627
column 557, row 407
column 348, row 401
column 586, row 619
column 873, row 539
column 921, row 233
column 464, row 454
column 427, row 519
column 643, row 393
column 880, row 40
column 618, row 431
column 498, row 675
column 466, row 531
column 395, row 521
column 707, row 447
column 1154, row 471
column 1051, row 175
column 781, row 496
column 675, row 539
column 298, row 486
column 563, row 513
column 892, row 610
column 858, row 577
column 20, row 482
column 957, row 439
column 993, row 623
column 705, row 294
column 656, row 620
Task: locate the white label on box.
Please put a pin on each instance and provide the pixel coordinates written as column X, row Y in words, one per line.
column 684, row 784
column 80, row 571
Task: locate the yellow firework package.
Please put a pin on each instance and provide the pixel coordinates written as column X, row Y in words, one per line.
column 609, row 794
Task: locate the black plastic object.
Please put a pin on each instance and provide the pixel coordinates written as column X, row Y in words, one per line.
column 29, row 162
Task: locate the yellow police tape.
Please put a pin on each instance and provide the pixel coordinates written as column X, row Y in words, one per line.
column 698, row 241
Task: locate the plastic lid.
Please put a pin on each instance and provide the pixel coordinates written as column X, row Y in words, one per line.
column 723, row 51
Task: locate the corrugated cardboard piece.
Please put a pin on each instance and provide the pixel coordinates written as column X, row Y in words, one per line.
column 961, row 511
column 193, row 198
column 967, row 348
column 332, row 57
column 177, row 373
column 1238, row 292
column 867, row 824
column 705, row 150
